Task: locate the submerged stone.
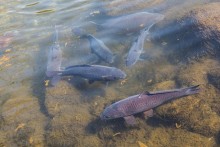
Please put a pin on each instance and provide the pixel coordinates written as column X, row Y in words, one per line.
column 192, row 36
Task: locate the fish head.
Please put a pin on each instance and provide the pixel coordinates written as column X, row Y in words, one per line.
column 111, row 112
column 116, row 74
column 130, row 61
column 109, row 59
column 132, row 58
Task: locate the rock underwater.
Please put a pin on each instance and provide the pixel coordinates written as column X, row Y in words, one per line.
column 192, row 36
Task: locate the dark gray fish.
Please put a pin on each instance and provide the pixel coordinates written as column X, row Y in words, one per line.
column 94, row 72
column 100, row 49
column 144, row 102
column 137, row 48
column 97, row 46
column 131, row 23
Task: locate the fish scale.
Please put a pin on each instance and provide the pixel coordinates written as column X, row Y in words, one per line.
column 94, row 72
column 144, row 102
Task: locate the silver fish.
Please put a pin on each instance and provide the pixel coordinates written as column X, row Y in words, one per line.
column 137, row 48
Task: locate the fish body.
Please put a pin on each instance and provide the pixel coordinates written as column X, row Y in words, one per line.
column 94, row 72
column 131, row 23
column 100, row 49
column 54, row 59
column 136, row 48
column 144, row 102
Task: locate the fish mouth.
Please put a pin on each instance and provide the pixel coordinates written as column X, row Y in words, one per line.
column 123, row 76
column 102, row 117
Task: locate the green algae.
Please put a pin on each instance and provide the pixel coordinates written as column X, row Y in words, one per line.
column 32, row 4
column 45, row 11
column 177, row 137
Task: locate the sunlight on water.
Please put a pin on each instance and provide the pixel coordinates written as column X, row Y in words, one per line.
column 180, row 49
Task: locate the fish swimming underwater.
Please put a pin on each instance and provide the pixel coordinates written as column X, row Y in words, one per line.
column 97, row 46
column 100, row 49
column 131, row 23
column 144, row 102
column 94, row 72
column 137, row 48
column 54, row 59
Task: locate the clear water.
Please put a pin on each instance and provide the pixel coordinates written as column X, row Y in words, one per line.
column 33, row 114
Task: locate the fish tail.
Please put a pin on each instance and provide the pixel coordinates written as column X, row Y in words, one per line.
column 192, row 90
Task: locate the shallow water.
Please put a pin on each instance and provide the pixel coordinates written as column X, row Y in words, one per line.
column 33, row 113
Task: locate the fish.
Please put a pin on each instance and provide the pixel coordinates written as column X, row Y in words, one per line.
column 137, row 48
column 94, row 72
column 97, row 46
column 54, row 59
column 144, row 103
column 100, row 49
column 130, row 23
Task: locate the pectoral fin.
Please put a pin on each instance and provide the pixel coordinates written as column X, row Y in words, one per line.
column 130, row 120
column 148, row 113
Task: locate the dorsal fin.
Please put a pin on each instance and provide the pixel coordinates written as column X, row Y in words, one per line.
column 144, row 93
column 83, row 65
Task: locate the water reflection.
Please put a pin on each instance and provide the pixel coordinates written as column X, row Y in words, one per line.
column 68, row 114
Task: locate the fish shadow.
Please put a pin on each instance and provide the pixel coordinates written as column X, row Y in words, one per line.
column 88, row 91
column 217, row 138
column 156, row 121
column 38, row 80
column 101, row 127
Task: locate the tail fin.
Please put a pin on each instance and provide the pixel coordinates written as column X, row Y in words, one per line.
column 192, row 90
